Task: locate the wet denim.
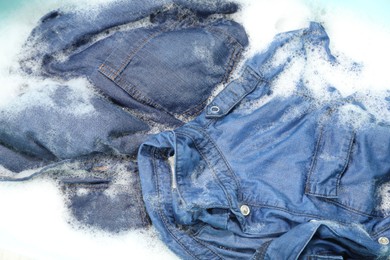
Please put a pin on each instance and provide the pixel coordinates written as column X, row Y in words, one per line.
column 102, row 192
column 161, row 74
column 56, row 123
column 151, row 65
column 260, row 175
column 161, row 61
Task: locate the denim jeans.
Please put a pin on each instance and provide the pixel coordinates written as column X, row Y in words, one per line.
column 151, row 64
column 261, row 174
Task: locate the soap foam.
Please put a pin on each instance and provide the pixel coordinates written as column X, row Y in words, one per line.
column 384, row 195
column 35, row 214
column 358, row 41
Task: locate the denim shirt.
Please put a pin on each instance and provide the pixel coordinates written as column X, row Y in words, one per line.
column 260, row 175
column 146, row 66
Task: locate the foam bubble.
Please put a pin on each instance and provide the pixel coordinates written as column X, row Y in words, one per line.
column 76, row 93
column 363, row 39
column 33, row 215
column 358, row 39
column 264, row 19
column 384, row 195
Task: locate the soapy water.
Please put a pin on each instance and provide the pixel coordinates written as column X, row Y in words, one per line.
column 358, row 41
column 384, row 196
column 34, row 218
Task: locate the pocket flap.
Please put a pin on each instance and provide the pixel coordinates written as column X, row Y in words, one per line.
column 233, row 93
column 173, row 70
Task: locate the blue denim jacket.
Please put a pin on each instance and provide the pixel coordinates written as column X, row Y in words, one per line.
column 260, row 175
column 151, row 64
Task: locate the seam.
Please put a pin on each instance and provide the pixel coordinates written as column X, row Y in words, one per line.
column 165, row 221
column 346, row 161
column 196, row 109
column 259, row 205
column 260, row 255
column 232, row 64
column 212, row 168
column 160, row 210
column 204, row 244
column 214, row 145
column 135, row 50
column 380, row 231
column 354, row 210
column 92, row 186
column 261, row 82
column 135, row 93
column 322, row 253
column 230, row 37
column 243, row 95
column 229, row 68
column 212, row 142
column 114, row 73
column 314, row 216
column 314, row 162
column 233, row 43
column 141, row 205
column 204, row 226
column 303, row 214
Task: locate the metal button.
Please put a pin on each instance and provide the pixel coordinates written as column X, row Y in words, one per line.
column 214, row 109
column 383, row 241
column 245, row 210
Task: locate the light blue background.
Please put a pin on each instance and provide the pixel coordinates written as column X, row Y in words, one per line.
column 376, row 10
column 7, row 6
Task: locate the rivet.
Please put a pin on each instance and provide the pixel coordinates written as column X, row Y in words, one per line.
column 383, row 241
column 245, row 210
column 214, row 109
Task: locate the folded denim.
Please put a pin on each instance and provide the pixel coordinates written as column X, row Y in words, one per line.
column 160, row 74
column 103, row 192
column 153, row 64
column 161, row 62
column 264, row 176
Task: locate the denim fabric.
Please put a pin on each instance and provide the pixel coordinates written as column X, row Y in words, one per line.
column 56, row 122
column 101, row 185
column 161, row 62
column 160, row 74
column 151, row 64
column 103, row 193
column 265, row 175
